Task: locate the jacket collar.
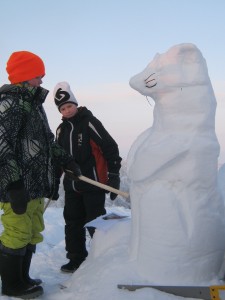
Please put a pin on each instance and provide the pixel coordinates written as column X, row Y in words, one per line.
column 39, row 93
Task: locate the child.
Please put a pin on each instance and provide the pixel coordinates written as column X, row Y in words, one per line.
column 84, row 137
column 28, row 154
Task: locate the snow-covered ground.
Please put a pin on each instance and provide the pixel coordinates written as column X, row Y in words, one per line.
column 106, row 266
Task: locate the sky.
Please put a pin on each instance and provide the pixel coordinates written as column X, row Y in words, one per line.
column 97, row 46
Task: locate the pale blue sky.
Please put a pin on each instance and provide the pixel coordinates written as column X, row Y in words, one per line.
column 98, row 45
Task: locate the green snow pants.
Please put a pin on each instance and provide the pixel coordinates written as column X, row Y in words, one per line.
column 21, row 230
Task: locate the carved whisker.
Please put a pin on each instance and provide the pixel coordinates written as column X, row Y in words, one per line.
column 148, row 100
column 151, row 85
column 149, row 76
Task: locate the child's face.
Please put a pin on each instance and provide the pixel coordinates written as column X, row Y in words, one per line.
column 35, row 82
column 68, row 110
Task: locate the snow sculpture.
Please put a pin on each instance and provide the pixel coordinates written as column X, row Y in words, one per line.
column 178, row 234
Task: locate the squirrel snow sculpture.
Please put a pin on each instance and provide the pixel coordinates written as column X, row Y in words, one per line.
column 178, row 232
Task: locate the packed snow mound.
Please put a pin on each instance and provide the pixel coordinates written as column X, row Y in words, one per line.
column 178, row 215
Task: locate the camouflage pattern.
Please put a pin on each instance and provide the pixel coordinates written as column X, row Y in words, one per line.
column 28, row 151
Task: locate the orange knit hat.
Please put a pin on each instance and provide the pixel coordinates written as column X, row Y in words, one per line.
column 23, row 66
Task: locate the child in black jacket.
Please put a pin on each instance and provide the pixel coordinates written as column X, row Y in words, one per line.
column 84, row 137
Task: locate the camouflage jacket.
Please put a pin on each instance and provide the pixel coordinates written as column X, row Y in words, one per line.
column 28, row 152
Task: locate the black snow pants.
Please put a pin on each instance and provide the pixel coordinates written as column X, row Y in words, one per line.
column 79, row 209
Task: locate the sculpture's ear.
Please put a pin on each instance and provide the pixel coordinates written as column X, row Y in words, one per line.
column 187, row 54
column 186, row 65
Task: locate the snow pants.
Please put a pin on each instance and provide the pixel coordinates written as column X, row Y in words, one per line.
column 24, row 229
column 79, row 209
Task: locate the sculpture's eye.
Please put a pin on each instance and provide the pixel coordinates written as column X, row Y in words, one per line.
column 150, row 82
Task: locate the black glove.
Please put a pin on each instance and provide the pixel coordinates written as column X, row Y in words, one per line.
column 18, row 198
column 55, row 194
column 113, row 181
column 72, row 170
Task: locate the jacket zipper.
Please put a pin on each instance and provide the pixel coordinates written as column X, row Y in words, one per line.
column 71, row 149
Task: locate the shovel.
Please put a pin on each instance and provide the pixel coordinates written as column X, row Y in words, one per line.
column 104, row 186
column 96, row 183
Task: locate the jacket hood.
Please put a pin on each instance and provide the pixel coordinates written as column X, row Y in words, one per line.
column 6, row 87
column 38, row 93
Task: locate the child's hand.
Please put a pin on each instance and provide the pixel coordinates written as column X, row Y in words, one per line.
column 113, row 181
column 72, row 170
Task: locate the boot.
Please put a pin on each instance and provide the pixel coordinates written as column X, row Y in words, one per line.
column 75, row 261
column 70, row 267
column 12, row 282
column 26, row 267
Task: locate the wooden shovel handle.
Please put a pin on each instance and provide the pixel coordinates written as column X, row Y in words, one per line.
column 98, row 184
column 103, row 186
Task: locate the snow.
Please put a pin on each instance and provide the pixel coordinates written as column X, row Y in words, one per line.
column 114, row 252
column 107, row 265
column 173, row 170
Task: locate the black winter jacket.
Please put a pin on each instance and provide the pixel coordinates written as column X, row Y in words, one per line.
column 96, row 152
column 28, row 151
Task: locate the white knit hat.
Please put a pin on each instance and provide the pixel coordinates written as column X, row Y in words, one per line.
column 63, row 94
